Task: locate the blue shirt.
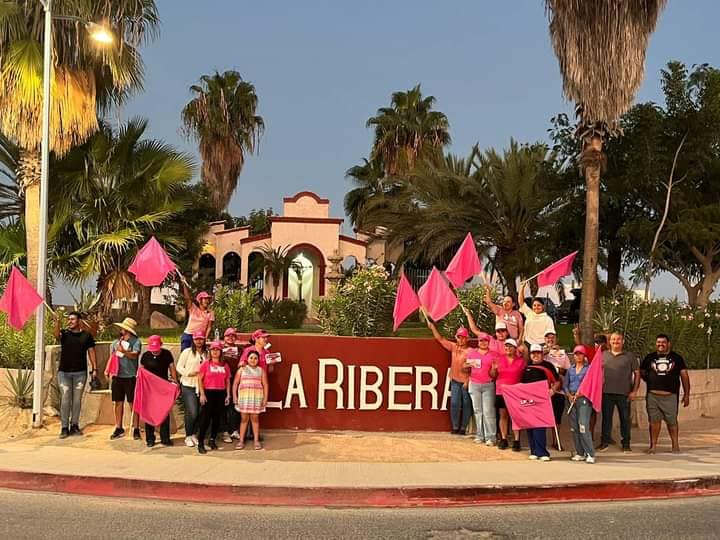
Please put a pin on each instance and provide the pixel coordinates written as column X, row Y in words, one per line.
column 573, row 379
column 127, row 367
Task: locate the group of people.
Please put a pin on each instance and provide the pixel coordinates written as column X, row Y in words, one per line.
column 525, row 349
column 223, row 384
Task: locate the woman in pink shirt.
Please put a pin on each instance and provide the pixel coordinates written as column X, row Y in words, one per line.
column 200, row 317
column 482, row 390
column 214, row 387
column 506, row 370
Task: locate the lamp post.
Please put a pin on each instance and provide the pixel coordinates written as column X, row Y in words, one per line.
column 100, row 34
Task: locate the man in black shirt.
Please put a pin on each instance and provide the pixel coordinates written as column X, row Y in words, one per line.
column 662, row 372
column 160, row 362
column 76, row 347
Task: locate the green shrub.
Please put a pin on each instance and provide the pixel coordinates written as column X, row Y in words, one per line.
column 17, row 349
column 21, row 388
column 361, row 306
column 234, row 307
column 472, row 299
column 287, row 314
column 265, row 307
column 693, row 331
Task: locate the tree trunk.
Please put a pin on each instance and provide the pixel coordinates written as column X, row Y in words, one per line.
column 705, row 289
column 144, row 296
column 592, row 161
column 614, row 264
column 29, row 176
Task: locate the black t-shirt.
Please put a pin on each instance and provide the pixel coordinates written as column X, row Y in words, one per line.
column 662, row 371
column 157, row 365
column 73, row 350
column 535, row 372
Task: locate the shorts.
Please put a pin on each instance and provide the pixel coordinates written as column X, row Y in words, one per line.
column 500, row 402
column 123, row 389
column 662, row 408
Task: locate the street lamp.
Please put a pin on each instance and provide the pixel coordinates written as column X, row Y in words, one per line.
column 102, row 35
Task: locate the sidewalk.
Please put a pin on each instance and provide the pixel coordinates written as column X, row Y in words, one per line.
column 356, row 469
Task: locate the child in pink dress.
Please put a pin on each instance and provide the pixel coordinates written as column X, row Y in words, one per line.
column 251, row 388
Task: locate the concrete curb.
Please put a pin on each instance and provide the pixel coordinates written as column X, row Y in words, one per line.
column 401, row 497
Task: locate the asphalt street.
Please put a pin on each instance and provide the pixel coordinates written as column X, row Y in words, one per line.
column 39, row 515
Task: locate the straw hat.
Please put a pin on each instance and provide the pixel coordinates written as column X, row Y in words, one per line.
column 128, row 324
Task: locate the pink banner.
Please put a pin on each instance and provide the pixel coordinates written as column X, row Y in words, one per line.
column 436, row 297
column 556, row 271
column 529, row 405
column 154, row 397
column 592, row 385
column 20, row 299
column 151, row 264
column 406, row 302
column 465, row 264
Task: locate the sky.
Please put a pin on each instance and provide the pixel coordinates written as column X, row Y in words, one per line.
column 321, row 68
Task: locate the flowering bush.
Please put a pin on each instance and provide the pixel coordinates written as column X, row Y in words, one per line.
column 361, row 306
column 694, row 332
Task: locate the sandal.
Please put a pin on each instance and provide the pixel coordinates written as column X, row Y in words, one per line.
column 239, row 446
column 258, row 446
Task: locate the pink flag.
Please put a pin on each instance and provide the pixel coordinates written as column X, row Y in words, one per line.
column 154, row 397
column 19, row 300
column 592, row 385
column 465, row 264
column 151, row 264
column 556, row 270
column 406, row 301
column 436, row 297
column 113, row 365
column 529, row 405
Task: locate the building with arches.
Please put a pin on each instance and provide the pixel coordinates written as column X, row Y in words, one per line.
column 314, row 242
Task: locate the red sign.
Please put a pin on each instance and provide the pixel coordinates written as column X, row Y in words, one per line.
column 364, row 384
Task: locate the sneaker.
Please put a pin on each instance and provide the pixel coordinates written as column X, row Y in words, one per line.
column 212, row 444
column 478, row 441
column 489, row 443
column 545, row 458
column 226, row 437
column 589, row 459
column 195, row 440
column 503, row 444
column 516, row 446
column 150, row 444
column 136, row 434
column 201, row 449
column 166, row 443
column 75, row 430
column 64, row 433
column 603, row 447
column 189, row 442
column 577, row 457
column 235, row 435
column 119, row 432
column 627, row 450
column 532, row 456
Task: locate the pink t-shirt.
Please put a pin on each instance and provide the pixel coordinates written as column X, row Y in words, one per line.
column 508, row 373
column 199, row 320
column 481, row 374
column 262, row 362
column 214, row 376
column 497, row 346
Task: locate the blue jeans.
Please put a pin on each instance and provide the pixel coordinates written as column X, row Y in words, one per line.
column 186, row 341
column 191, row 401
column 580, row 427
column 72, row 385
column 609, row 402
column 483, row 400
column 538, row 442
column 460, row 406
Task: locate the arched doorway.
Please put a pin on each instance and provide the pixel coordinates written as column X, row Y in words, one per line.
column 231, row 267
column 256, row 272
column 206, row 268
column 305, row 281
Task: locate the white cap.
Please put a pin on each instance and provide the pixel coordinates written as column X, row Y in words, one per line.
column 500, row 326
column 511, row 341
column 536, row 348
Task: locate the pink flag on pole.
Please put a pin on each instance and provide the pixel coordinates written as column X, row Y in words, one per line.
column 19, row 300
column 592, row 385
column 529, row 405
column 465, row 264
column 113, row 365
column 151, row 264
column 406, row 302
column 436, row 297
column 154, row 397
column 556, row 270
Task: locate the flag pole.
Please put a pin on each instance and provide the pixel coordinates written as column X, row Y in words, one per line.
column 557, row 437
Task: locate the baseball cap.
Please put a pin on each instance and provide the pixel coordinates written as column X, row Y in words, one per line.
column 511, row 341
column 500, row 326
column 259, row 333
column 202, row 295
column 154, row 343
column 580, row 349
column 482, row 336
column 198, row 334
column 216, row 345
column 230, row 332
column 549, row 332
column 461, row 332
column 536, row 348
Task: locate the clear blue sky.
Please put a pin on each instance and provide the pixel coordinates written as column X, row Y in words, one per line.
column 322, row 67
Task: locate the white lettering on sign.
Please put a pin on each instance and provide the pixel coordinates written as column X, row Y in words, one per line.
column 394, row 388
column 335, row 386
column 295, row 388
column 374, row 388
column 446, row 392
column 351, row 387
column 430, row 387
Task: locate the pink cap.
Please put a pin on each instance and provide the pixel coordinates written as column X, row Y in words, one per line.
column 202, row 295
column 198, row 334
column 259, row 333
column 230, row 332
column 482, row 336
column 461, row 332
column 154, row 343
column 580, row 349
column 216, row 345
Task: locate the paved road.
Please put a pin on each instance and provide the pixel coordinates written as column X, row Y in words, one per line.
column 39, row 515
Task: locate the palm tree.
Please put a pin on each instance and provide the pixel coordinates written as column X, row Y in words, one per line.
column 600, row 47
column 85, row 81
column 221, row 117
column 276, row 263
column 11, row 199
column 370, row 181
column 112, row 193
column 408, row 130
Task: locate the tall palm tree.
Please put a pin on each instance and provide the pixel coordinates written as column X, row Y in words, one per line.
column 112, row 194
column 408, row 130
column 221, row 117
column 601, row 48
column 85, row 81
column 11, row 198
column 370, row 183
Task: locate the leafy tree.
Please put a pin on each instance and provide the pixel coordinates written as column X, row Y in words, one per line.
column 258, row 220
column 86, row 81
column 601, row 51
column 222, row 118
